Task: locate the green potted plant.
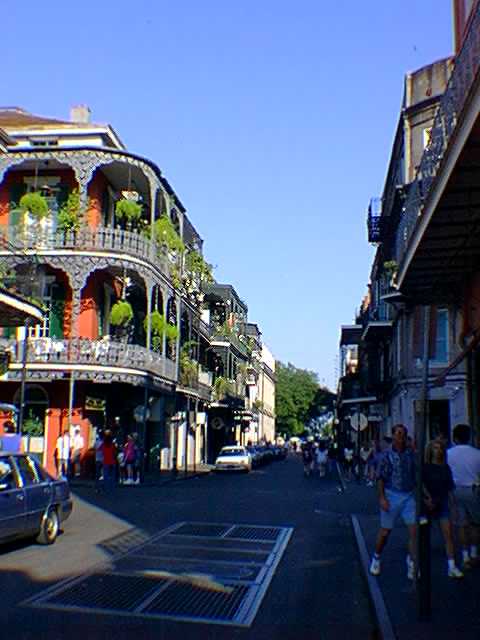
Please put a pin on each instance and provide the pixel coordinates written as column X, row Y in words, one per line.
column 166, row 235
column 35, row 204
column 69, row 217
column 121, row 314
column 188, row 366
column 158, row 324
column 128, row 211
column 391, row 268
column 196, row 265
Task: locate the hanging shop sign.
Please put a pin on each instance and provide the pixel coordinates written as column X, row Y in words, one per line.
column 95, row 404
column 217, row 423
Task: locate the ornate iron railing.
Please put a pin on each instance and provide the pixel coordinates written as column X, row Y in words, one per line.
column 452, row 103
column 105, row 239
column 102, row 353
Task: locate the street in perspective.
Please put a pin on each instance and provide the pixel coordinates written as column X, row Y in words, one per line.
column 231, row 403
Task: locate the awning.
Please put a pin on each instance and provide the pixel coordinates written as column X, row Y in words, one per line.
column 15, row 309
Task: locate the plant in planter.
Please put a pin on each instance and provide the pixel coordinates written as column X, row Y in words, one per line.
column 158, row 324
column 257, row 405
column 196, row 265
column 32, row 426
column 171, row 332
column 121, row 314
column 391, row 268
column 128, row 211
column 188, row 366
column 166, row 235
column 222, row 387
column 69, row 217
column 35, row 204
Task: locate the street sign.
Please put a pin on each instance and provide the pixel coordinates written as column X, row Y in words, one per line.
column 358, row 421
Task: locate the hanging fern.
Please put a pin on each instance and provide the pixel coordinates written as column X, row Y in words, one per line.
column 171, row 331
column 196, row 265
column 166, row 235
column 128, row 210
column 35, row 203
column 121, row 313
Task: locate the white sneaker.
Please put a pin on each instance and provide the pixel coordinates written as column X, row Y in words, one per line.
column 137, row 481
column 375, row 566
column 454, row 572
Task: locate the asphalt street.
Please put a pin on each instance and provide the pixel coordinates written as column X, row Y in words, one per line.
column 280, row 548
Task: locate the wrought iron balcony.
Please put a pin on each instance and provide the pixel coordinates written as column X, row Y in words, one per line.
column 100, row 353
column 448, row 114
column 374, row 221
column 104, row 239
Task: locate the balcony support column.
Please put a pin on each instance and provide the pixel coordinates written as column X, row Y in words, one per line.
column 149, row 316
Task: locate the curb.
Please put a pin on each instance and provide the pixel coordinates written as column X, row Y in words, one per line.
column 376, row 597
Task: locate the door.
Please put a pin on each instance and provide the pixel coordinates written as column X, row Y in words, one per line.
column 37, row 493
column 12, row 501
column 439, row 419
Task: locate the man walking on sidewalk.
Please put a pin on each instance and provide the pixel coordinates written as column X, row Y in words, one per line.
column 396, row 492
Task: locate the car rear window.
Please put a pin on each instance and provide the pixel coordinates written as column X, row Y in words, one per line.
column 232, row 452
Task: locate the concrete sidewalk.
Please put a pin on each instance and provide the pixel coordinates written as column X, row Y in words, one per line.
column 153, row 478
column 455, row 603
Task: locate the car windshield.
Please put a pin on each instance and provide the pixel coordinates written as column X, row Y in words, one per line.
column 232, row 452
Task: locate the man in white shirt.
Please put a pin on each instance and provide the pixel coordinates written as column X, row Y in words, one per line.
column 77, row 448
column 63, row 453
column 464, row 461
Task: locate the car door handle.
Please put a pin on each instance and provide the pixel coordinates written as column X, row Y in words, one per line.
column 20, row 497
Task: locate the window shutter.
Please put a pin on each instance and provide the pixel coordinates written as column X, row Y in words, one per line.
column 57, row 310
column 433, row 333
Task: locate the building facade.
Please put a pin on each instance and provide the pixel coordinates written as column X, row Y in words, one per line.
column 129, row 339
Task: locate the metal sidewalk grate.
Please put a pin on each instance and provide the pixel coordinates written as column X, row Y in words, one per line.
column 197, row 529
column 255, row 533
column 196, row 572
column 106, row 591
column 190, row 601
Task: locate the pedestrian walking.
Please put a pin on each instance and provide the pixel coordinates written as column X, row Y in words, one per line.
column 98, row 458
column 348, row 454
column 396, row 493
column 322, row 459
column 366, row 452
column 307, row 457
column 464, row 461
column 438, row 489
column 130, row 455
column 63, row 454
column 138, row 464
column 78, row 444
column 109, row 452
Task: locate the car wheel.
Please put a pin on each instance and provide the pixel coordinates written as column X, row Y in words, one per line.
column 49, row 528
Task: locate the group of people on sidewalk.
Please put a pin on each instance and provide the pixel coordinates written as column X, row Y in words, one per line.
column 450, row 496
column 116, row 463
column 68, row 453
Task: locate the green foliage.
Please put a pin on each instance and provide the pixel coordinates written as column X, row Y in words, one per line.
column 171, row 331
column 188, row 366
column 196, row 265
column 157, row 323
column 224, row 330
column 69, row 217
column 166, row 235
column 32, row 426
column 221, row 388
column 258, row 405
column 297, row 398
column 175, row 276
column 121, row 313
column 390, row 266
column 35, row 203
column 128, row 210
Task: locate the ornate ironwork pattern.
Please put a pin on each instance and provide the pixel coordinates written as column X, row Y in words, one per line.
column 100, row 353
column 448, row 113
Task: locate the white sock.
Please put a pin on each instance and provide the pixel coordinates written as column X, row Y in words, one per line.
column 465, row 555
column 473, row 551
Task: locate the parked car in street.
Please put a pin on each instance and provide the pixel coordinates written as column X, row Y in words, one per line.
column 32, row 502
column 233, row 459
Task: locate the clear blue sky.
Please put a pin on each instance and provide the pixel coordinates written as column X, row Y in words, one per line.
column 272, row 119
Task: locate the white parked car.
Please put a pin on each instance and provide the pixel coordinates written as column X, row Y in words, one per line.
column 233, row 459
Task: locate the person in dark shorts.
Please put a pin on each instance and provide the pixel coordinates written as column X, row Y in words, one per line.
column 438, row 490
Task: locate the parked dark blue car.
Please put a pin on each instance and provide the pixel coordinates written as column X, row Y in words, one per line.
column 32, row 503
